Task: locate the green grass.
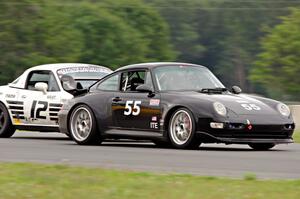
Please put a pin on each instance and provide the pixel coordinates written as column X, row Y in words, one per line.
column 23, row 181
column 296, row 137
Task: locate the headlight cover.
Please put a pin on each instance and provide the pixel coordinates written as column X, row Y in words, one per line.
column 220, row 108
column 283, row 109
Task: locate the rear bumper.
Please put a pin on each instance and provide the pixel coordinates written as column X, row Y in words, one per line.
column 242, row 140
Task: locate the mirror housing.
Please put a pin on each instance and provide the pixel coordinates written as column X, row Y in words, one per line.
column 144, row 89
column 236, row 90
column 41, row 86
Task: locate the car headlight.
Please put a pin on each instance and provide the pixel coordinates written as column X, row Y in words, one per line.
column 220, row 108
column 283, row 109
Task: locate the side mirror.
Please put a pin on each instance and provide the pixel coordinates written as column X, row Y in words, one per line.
column 68, row 83
column 236, row 90
column 144, row 89
column 41, row 86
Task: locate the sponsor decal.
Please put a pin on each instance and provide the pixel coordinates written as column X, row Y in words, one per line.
column 161, row 122
column 64, row 71
column 154, row 102
column 16, row 121
column 154, row 119
column 51, row 97
column 153, row 125
column 10, row 96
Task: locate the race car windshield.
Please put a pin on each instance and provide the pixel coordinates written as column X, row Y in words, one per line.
column 185, row 78
column 84, row 76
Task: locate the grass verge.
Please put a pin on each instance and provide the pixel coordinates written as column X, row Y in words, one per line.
column 296, row 137
column 23, row 181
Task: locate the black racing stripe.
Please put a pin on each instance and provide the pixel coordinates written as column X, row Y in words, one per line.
column 54, row 109
column 53, row 119
column 16, row 107
column 55, row 105
column 15, row 102
column 53, row 114
column 17, row 112
column 18, row 117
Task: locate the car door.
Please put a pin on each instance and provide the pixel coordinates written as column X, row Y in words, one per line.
column 136, row 110
column 41, row 108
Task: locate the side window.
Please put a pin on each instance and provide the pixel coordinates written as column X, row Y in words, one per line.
column 132, row 79
column 148, row 80
column 44, row 77
column 110, row 84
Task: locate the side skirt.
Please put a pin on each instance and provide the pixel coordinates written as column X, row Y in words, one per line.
column 118, row 133
column 37, row 128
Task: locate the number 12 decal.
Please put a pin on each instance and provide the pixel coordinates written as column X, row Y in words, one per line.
column 36, row 112
column 135, row 110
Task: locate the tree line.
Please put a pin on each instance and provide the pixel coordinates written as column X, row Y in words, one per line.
column 251, row 43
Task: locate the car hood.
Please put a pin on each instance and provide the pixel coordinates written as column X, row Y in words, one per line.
column 241, row 104
column 245, row 104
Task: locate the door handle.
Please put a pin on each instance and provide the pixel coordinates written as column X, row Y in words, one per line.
column 116, row 99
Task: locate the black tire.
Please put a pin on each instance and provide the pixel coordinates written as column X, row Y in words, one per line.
column 191, row 142
column 261, row 146
column 6, row 128
column 93, row 137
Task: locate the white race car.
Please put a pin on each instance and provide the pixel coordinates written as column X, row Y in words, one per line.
column 33, row 100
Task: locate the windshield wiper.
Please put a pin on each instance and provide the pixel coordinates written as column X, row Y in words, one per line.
column 213, row 90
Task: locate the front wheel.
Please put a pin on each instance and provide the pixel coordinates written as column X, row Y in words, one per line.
column 261, row 147
column 6, row 127
column 182, row 127
column 83, row 128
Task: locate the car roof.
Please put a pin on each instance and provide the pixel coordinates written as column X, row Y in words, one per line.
column 58, row 66
column 52, row 67
column 156, row 64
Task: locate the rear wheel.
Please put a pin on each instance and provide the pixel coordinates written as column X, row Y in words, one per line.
column 6, row 127
column 182, row 130
column 262, row 146
column 83, row 128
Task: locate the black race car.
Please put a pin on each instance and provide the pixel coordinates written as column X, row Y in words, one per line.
column 175, row 104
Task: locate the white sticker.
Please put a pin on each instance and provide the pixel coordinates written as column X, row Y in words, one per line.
column 153, row 125
column 154, row 102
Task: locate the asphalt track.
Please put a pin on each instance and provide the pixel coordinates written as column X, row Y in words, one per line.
column 210, row 160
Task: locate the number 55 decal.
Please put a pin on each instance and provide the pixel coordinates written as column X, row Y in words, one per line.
column 251, row 107
column 135, row 110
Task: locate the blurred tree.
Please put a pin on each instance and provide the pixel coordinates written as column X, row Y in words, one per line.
column 221, row 34
column 34, row 32
column 123, row 32
column 278, row 66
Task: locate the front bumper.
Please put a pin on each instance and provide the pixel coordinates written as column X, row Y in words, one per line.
column 240, row 140
column 239, row 132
